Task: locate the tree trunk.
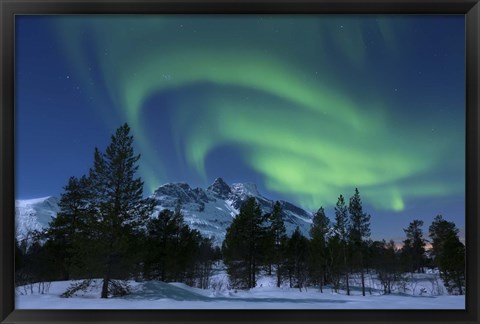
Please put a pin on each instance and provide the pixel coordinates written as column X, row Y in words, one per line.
column 105, row 286
column 253, row 273
column 348, row 284
column 346, row 269
column 250, row 272
column 459, row 283
column 279, row 277
column 363, row 283
column 106, row 279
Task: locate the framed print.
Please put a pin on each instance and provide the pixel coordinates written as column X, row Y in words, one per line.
column 227, row 161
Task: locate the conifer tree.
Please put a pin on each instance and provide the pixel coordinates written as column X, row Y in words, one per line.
column 279, row 236
column 335, row 261
column 297, row 259
column 448, row 253
column 451, row 262
column 319, row 233
column 65, row 238
column 120, row 210
column 439, row 231
column 358, row 233
column 340, row 230
column 160, row 247
column 414, row 246
column 241, row 247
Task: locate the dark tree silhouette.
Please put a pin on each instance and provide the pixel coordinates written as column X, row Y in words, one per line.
column 119, row 207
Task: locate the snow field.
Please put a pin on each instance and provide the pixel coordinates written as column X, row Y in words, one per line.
column 160, row 295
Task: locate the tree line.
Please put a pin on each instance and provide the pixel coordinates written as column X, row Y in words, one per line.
column 257, row 243
column 104, row 230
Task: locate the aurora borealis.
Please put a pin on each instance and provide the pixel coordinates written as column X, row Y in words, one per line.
column 307, row 107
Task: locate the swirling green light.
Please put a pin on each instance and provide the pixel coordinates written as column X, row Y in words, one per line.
column 305, row 155
column 308, row 137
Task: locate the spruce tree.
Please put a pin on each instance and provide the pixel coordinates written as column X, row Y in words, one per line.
column 448, row 253
column 340, row 229
column 241, row 247
column 120, row 210
column 452, row 264
column 335, row 261
column 65, row 238
column 319, row 233
column 279, row 237
column 160, row 247
column 439, row 231
column 358, row 233
column 414, row 246
column 297, row 259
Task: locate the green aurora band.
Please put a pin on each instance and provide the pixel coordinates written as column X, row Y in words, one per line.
column 292, row 120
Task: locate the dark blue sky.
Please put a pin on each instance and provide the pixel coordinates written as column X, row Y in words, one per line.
column 307, row 107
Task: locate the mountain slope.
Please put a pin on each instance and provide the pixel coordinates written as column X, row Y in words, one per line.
column 34, row 214
column 210, row 210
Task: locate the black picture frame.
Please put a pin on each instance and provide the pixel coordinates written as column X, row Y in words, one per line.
column 10, row 8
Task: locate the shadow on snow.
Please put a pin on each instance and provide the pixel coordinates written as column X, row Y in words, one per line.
column 161, row 290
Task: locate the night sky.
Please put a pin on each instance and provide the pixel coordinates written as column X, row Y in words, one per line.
column 306, row 107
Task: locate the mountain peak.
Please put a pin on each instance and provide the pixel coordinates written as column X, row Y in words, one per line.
column 220, row 187
column 246, row 189
column 218, row 181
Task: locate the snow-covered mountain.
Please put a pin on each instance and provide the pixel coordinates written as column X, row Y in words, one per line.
column 34, row 214
column 210, row 210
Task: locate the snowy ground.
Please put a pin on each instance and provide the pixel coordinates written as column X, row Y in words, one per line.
column 159, row 295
